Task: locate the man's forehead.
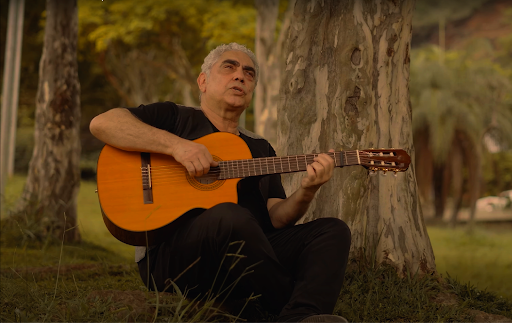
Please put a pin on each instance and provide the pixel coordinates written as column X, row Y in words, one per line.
column 238, row 56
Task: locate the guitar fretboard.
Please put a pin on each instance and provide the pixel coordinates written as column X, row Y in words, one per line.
column 277, row 165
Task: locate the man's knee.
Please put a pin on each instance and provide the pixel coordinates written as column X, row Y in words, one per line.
column 336, row 228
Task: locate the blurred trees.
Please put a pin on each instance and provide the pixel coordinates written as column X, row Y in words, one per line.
column 152, row 50
column 462, row 107
column 49, row 195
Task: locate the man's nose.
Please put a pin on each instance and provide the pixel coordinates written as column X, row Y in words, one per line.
column 239, row 75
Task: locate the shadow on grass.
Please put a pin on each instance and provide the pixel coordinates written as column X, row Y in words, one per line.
column 48, row 281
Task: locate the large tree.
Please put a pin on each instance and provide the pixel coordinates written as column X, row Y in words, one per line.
column 345, row 80
column 49, row 196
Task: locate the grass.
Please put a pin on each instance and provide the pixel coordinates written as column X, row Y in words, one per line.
column 75, row 282
column 90, row 222
column 483, row 258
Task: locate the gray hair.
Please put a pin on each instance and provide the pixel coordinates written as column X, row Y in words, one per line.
column 216, row 53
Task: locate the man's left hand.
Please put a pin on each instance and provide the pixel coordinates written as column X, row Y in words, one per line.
column 319, row 172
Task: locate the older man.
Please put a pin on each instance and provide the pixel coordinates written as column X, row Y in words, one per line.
column 297, row 269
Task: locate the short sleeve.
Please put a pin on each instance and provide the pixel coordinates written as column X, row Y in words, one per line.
column 275, row 187
column 161, row 115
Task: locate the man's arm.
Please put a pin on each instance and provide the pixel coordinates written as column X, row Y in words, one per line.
column 287, row 212
column 119, row 128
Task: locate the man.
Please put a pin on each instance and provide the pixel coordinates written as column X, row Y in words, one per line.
column 297, row 269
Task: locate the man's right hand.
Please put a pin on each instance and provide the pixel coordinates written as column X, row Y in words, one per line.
column 195, row 157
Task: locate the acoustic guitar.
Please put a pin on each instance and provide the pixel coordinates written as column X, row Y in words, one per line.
column 143, row 195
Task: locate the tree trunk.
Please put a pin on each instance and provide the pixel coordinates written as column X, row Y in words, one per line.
column 456, row 163
column 53, row 179
column 442, row 177
column 268, row 52
column 425, row 170
column 345, row 82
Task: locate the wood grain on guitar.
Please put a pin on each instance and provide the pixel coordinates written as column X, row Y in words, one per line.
column 143, row 196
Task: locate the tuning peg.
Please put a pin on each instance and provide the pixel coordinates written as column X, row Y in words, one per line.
column 395, row 173
column 373, row 172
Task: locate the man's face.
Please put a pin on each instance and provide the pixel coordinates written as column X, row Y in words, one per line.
column 231, row 81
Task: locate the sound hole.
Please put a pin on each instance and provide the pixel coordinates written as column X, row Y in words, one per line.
column 209, row 181
column 206, row 179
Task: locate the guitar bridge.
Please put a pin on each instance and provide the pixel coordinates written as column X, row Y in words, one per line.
column 145, row 168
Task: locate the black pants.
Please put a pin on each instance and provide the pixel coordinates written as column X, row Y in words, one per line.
column 299, row 270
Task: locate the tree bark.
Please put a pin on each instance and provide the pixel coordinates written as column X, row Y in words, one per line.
column 268, row 51
column 53, row 179
column 345, row 82
column 456, row 164
column 425, row 166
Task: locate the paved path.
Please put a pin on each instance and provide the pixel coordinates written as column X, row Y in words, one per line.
column 481, row 216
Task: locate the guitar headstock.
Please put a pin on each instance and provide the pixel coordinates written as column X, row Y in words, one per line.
column 395, row 160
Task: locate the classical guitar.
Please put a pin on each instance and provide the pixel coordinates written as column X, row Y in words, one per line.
column 143, row 195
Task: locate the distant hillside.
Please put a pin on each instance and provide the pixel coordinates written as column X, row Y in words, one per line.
column 464, row 20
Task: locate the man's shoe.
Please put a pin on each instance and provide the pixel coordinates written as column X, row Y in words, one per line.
column 324, row 318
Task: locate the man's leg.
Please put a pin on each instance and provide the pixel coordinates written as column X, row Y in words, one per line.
column 208, row 236
column 316, row 254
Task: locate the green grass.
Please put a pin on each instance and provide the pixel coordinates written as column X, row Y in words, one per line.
column 90, row 221
column 483, row 258
column 64, row 289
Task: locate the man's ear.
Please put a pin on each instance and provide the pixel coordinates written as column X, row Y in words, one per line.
column 201, row 82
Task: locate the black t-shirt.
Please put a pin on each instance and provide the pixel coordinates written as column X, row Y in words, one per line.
column 191, row 123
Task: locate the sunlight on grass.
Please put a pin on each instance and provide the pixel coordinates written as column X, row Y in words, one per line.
column 90, row 220
column 484, row 258
column 13, row 189
column 91, row 223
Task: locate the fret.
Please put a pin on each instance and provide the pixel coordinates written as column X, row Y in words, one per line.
column 266, row 162
column 297, row 160
column 274, row 163
column 261, row 168
column 248, row 168
column 305, row 162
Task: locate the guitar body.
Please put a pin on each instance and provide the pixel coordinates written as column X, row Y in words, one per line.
column 132, row 217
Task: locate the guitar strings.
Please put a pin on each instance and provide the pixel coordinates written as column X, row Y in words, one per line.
column 252, row 165
column 239, row 169
column 277, row 160
column 248, row 167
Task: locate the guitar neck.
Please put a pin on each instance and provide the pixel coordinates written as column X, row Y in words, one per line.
column 278, row 165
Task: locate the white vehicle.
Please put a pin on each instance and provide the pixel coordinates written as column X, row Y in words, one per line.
column 507, row 194
column 492, row 203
